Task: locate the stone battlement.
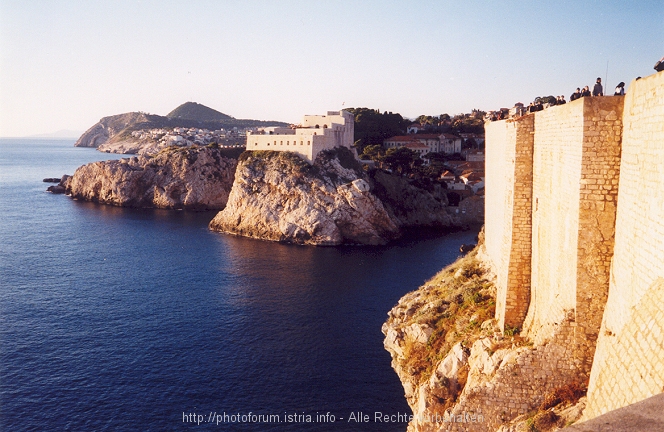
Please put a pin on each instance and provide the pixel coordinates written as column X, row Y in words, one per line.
column 575, row 222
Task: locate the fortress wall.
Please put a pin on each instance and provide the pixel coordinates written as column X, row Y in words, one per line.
column 557, row 164
column 628, row 365
column 602, row 140
column 507, row 224
column 575, row 165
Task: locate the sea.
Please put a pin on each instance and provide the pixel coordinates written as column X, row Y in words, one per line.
column 118, row 319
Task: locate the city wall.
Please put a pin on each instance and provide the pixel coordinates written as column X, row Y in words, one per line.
column 559, row 199
column 509, row 224
column 629, row 361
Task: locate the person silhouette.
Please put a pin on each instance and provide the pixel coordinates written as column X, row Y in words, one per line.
column 598, row 90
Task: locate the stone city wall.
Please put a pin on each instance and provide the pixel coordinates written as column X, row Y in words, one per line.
column 550, row 200
column 508, row 215
column 575, row 164
column 629, row 361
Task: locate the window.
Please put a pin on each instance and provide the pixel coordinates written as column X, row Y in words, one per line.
column 281, row 143
column 308, row 142
column 287, row 142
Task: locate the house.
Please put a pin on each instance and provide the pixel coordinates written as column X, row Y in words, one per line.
column 475, row 156
column 449, row 143
column 456, row 185
column 315, row 134
column 418, row 148
column 444, row 143
column 414, row 128
column 447, row 176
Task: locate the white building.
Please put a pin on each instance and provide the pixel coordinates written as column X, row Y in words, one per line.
column 443, row 143
column 315, row 134
column 450, row 144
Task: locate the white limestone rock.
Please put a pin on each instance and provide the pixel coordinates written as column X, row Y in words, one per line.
column 188, row 178
column 280, row 197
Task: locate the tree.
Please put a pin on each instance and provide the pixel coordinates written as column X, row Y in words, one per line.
column 402, row 159
column 372, row 127
column 373, row 152
column 435, row 158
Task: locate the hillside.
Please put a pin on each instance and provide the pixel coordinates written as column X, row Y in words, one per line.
column 196, row 111
column 117, row 128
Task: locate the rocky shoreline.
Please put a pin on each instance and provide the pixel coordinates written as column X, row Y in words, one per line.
column 275, row 196
column 457, row 366
column 278, row 196
column 176, row 178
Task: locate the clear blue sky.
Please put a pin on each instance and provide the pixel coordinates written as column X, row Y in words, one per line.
column 66, row 64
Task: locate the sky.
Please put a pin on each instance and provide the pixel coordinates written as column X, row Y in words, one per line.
column 66, row 64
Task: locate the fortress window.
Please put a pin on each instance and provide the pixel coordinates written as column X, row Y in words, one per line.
column 275, row 143
column 324, row 126
column 317, row 127
column 308, row 142
column 287, row 142
column 281, row 143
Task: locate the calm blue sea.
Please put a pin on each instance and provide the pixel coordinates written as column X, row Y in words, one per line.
column 117, row 319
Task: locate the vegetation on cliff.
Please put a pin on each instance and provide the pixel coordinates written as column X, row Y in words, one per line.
column 279, row 196
column 196, row 111
column 452, row 358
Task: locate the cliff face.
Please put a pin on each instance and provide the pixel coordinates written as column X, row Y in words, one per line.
column 278, row 196
column 460, row 372
column 189, row 178
column 107, row 128
column 413, row 204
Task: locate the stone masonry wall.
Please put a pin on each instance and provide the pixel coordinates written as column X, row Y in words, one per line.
column 557, row 161
column 575, row 165
column 508, row 225
column 522, row 380
column 628, row 364
column 602, row 139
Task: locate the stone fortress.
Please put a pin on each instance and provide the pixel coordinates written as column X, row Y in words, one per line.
column 315, row 134
column 575, row 237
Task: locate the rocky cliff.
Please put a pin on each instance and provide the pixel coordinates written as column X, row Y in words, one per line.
column 460, row 372
column 176, row 178
column 418, row 203
column 109, row 127
column 280, row 197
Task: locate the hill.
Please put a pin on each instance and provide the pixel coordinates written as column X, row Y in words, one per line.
column 119, row 127
column 196, row 111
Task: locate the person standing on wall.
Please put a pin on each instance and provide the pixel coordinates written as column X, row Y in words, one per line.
column 585, row 92
column 620, row 89
column 598, row 90
column 575, row 95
